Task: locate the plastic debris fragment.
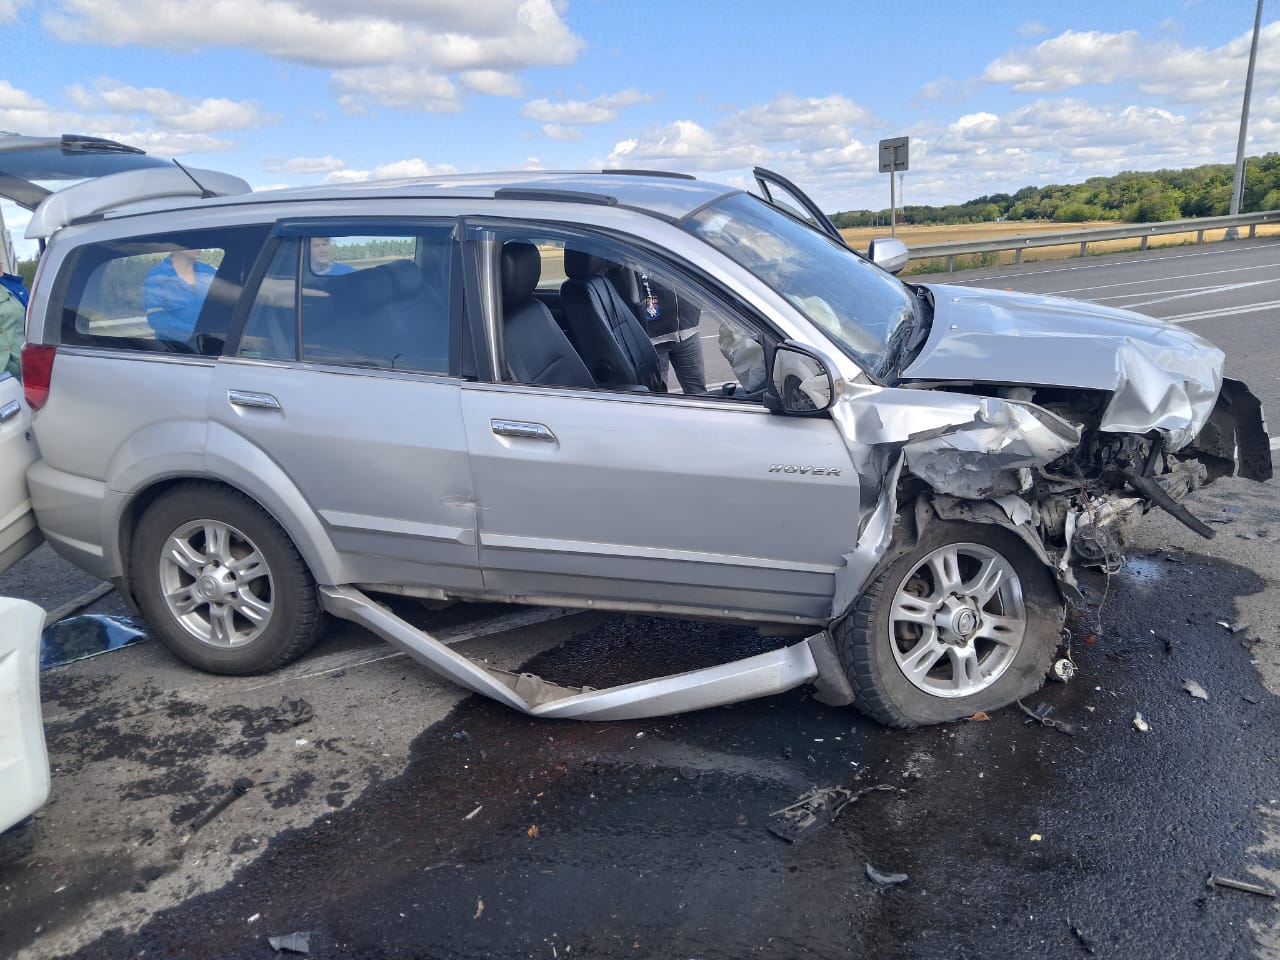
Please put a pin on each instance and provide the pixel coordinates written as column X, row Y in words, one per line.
column 292, row 942
column 1195, row 689
column 1041, row 716
column 881, row 879
column 1140, row 723
column 1256, row 888
column 816, row 809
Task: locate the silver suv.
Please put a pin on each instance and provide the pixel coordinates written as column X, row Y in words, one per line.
column 624, row 390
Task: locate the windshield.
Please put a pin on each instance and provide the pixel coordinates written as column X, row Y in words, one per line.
column 866, row 312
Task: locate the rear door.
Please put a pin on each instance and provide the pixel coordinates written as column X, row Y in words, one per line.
column 18, row 532
column 28, row 162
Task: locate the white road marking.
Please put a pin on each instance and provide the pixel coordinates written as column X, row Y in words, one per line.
column 1070, row 291
column 1222, row 312
column 1184, row 294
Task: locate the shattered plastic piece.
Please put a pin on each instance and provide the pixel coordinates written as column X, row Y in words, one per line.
column 293, row 712
column 474, row 812
column 1036, row 838
column 1217, row 881
column 1195, row 689
column 1064, row 670
column 1140, row 724
column 292, row 942
column 238, row 790
column 883, row 880
column 479, row 909
column 815, row 809
column 1041, row 716
column 1232, row 626
column 79, row 638
column 1085, row 941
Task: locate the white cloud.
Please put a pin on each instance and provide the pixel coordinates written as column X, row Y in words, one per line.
column 1032, row 28
column 167, row 109
column 396, row 170
column 324, row 164
column 558, row 131
column 601, row 109
column 157, row 120
column 1164, row 67
column 416, row 90
column 371, row 44
column 9, row 9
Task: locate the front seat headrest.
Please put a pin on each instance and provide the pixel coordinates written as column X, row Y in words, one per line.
column 583, row 266
column 521, row 270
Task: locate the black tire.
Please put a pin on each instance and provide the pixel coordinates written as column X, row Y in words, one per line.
column 253, row 611
column 873, row 651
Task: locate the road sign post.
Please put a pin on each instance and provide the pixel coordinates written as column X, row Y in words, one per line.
column 893, row 159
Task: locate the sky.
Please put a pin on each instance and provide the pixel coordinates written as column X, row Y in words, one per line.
column 994, row 95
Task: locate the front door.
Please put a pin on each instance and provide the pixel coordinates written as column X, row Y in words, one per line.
column 631, row 494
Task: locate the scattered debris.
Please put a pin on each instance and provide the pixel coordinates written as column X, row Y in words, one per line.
column 883, row 880
column 292, row 942
column 979, row 716
column 1195, row 689
column 1041, row 716
column 301, row 742
column 1233, row 626
column 533, row 830
column 1085, row 941
column 238, row 790
column 293, row 712
column 479, row 908
column 474, row 812
column 1253, row 535
column 255, row 918
column 1140, row 723
column 1219, row 519
column 1063, row 670
column 1248, row 699
column 817, row 808
column 462, row 736
column 1036, row 838
column 1217, row 881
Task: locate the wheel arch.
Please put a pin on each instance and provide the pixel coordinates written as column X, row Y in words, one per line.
column 241, row 467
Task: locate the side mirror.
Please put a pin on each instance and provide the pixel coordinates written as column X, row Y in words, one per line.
column 888, row 254
column 801, row 382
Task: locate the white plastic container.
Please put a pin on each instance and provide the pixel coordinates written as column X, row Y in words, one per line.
column 24, row 763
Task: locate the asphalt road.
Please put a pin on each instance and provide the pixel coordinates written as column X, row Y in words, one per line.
column 391, row 816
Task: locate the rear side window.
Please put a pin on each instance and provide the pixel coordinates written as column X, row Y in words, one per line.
column 370, row 300
column 171, row 292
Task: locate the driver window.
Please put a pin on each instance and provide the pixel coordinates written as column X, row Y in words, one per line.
column 627, row 321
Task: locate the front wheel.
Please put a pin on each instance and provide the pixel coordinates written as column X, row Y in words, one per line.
column 967, row 620
column 220, row 582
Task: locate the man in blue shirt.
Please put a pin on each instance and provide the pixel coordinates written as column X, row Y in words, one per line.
column 322, row 261
column 173, row 293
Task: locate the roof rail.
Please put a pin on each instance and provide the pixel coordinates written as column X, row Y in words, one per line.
column 651, row 173
column 102, row 194
column 562, row 196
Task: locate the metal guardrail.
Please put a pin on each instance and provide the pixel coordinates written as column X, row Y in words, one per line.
column 1144, row 231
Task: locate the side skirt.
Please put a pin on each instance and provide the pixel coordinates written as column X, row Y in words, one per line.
column 758, row 676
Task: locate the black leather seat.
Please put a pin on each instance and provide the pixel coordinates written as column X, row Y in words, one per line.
column 609, row 335
column 536, row 348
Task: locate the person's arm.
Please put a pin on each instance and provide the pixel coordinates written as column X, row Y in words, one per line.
column 12, row 333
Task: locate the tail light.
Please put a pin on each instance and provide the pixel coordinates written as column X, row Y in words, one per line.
column 37, row 371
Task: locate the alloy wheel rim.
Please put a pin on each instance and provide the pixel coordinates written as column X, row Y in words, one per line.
column 216, row 583
column 957, row 621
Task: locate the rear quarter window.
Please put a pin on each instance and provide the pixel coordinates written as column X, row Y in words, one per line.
column 163, row 292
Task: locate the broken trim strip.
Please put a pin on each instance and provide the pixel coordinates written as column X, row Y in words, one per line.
column 758, row 676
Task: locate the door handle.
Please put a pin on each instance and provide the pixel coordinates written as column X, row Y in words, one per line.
column 520, row 428
column 9, row 411
column 247, row 398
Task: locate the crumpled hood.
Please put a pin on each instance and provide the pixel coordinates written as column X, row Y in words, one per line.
column 1161, row 377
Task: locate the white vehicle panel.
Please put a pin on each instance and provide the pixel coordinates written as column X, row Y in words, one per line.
column 24, row 762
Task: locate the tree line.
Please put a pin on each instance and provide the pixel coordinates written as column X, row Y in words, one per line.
column 1130, row 197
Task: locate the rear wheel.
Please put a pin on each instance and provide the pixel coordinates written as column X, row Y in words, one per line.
column 220, row 582
column 968, row 620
